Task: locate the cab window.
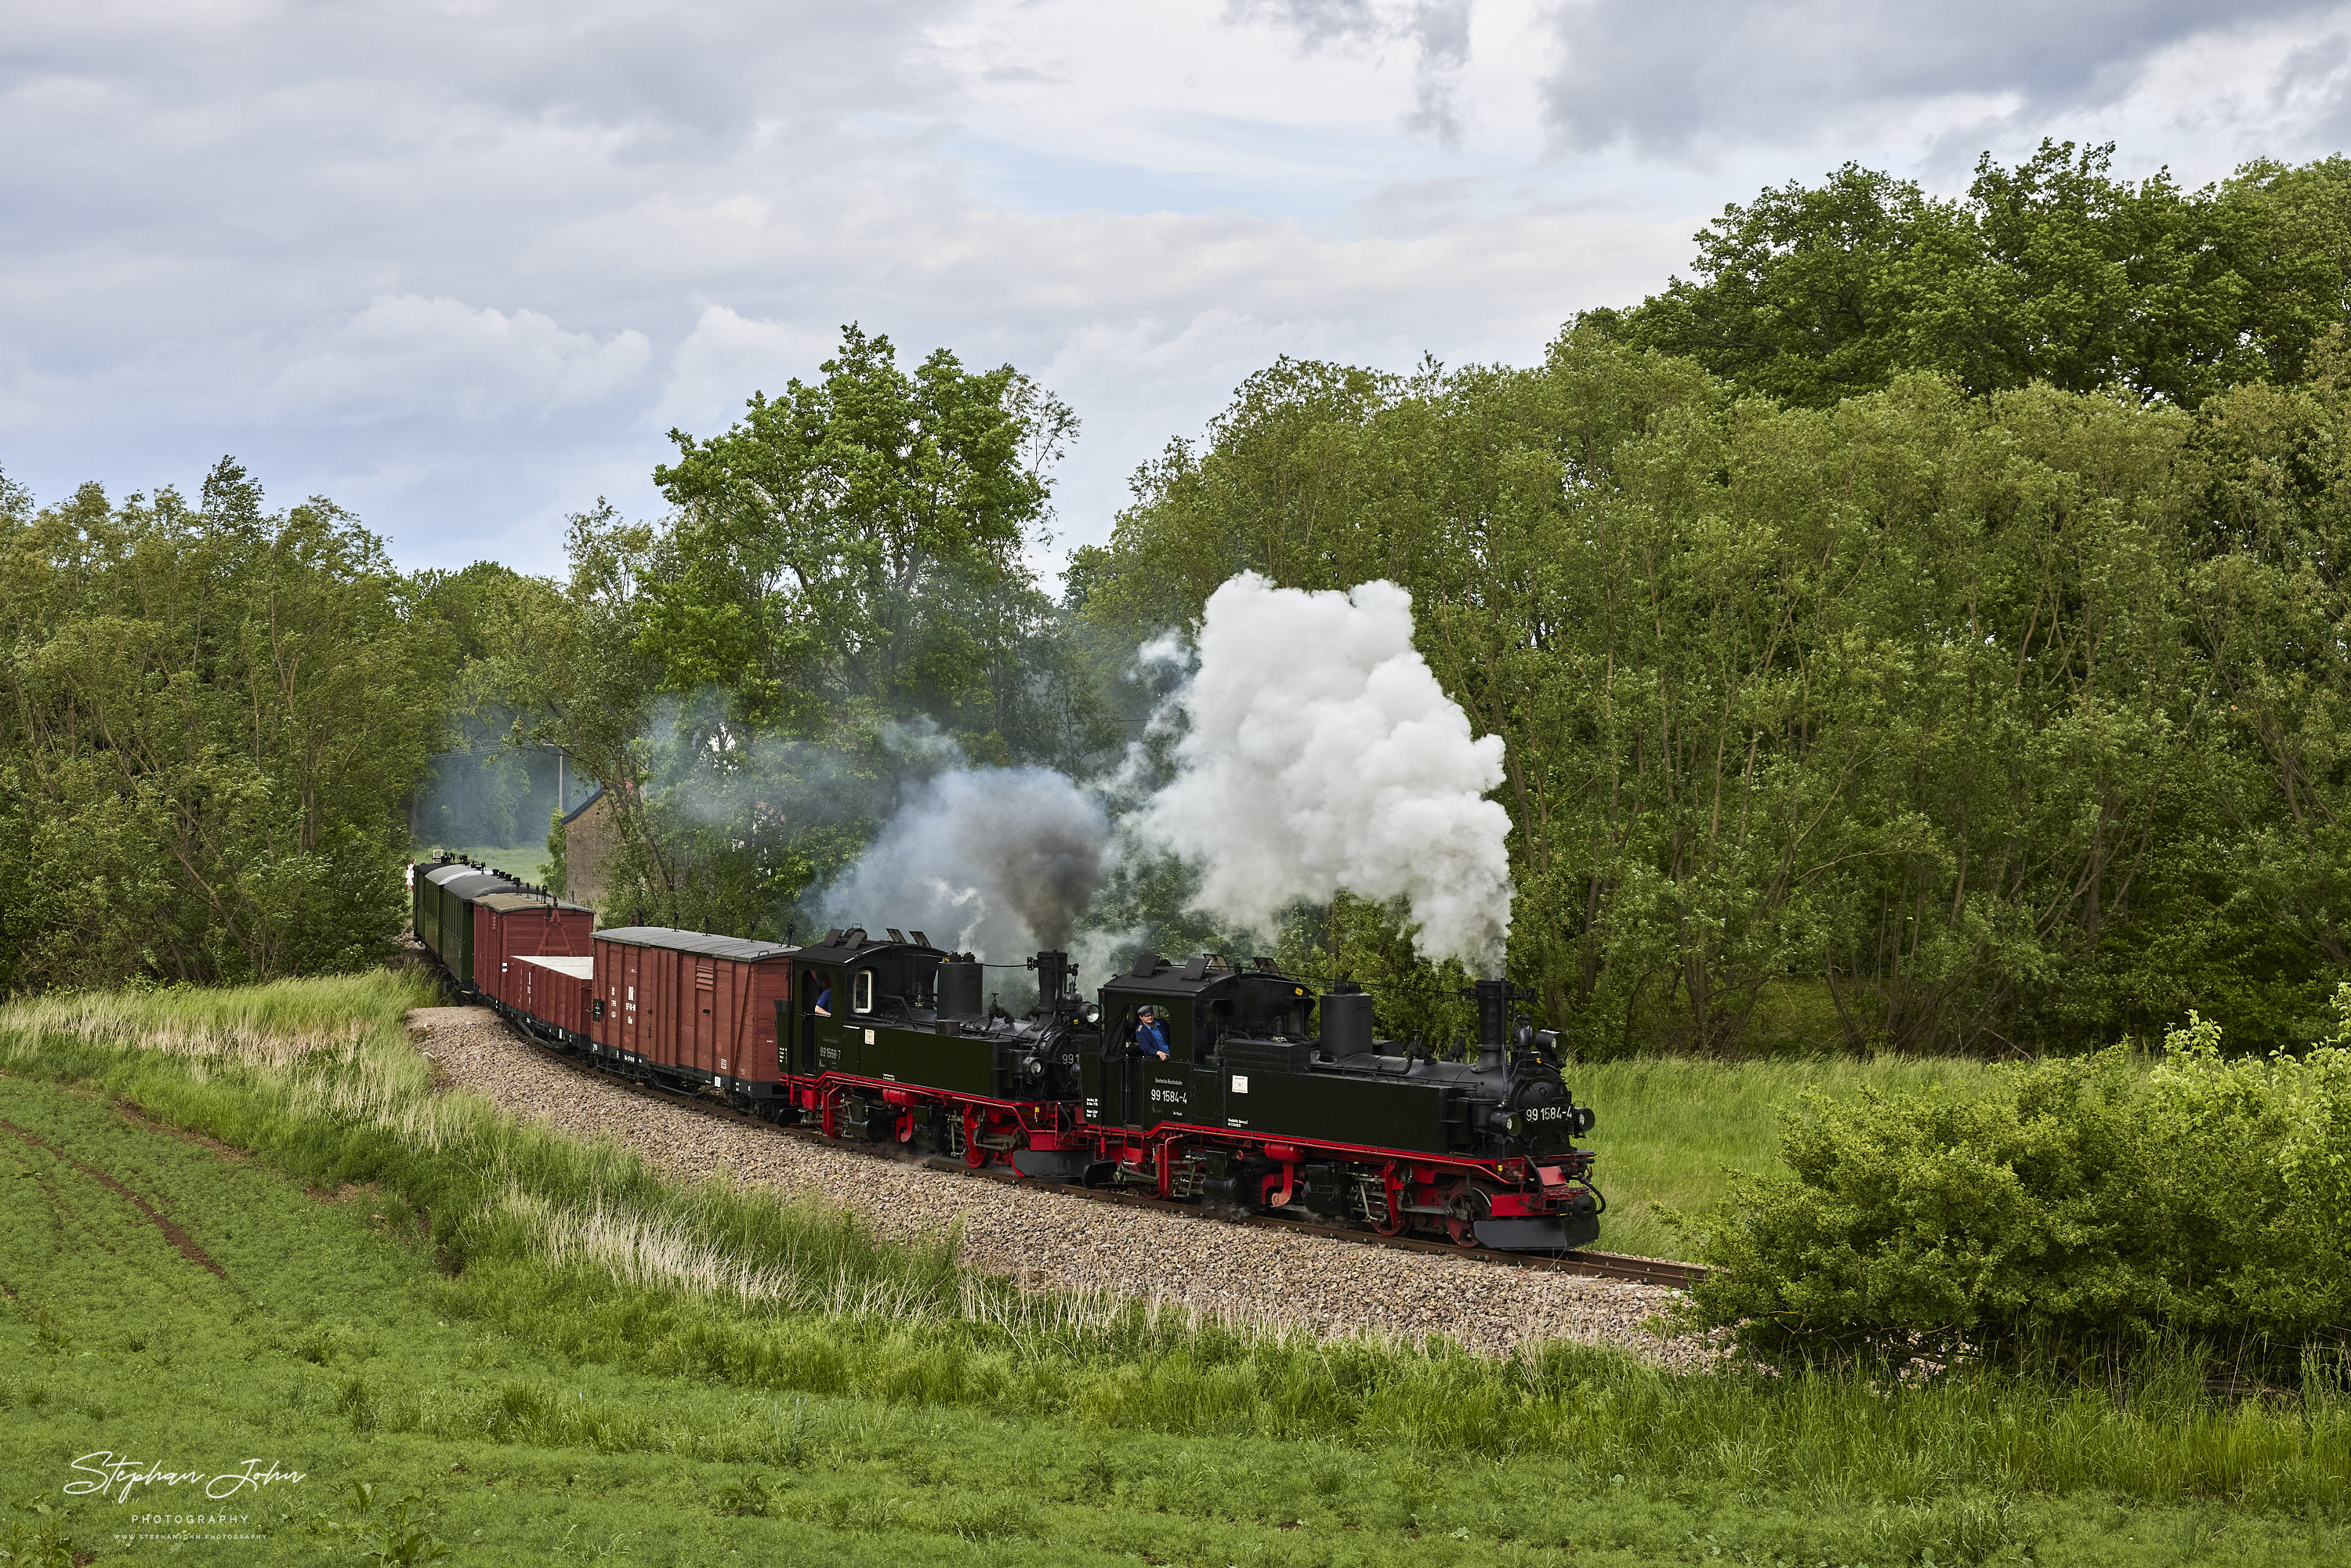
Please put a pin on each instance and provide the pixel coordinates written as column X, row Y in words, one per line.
column 861, row 992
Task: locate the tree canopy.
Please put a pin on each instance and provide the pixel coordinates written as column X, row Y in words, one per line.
column 840, row 599
column 2053, row 271
column 212, row 717
column 2002, row 721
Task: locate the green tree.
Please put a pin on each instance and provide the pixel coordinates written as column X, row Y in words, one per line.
column 2051, row 271
column 851, row 551
column 559, row 664
column 212, row 718
column 840, row 602
column 1961, row 713
column 1806, row 293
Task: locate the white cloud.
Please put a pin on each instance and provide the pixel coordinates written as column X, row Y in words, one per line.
column 2274, row 87
column 1677, row 74
column 725, row 359
column 463, row 266
column 405, row 358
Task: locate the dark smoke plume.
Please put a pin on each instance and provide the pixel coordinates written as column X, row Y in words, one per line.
column 999, row 861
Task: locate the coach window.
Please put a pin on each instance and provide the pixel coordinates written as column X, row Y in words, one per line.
column 861, row 992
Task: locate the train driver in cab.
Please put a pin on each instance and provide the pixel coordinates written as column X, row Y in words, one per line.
column 1150, row 1034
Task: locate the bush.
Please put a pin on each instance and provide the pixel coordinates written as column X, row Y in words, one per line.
column 2088, row 1203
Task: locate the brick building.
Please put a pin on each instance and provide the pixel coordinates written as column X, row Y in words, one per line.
column 589, row 839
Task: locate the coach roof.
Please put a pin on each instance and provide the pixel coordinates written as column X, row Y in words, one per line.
column 470, row 888
column 735, row 947
column 507, row 903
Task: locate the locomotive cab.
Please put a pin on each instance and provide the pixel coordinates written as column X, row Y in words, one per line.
column 898, row 1018
column 849, row 991
column 1213, row 1016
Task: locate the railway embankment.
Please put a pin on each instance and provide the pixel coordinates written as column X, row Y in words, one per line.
column 1043, row 1240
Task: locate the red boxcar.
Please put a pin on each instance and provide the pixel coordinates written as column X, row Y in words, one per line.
column 691, row 1008
column 508, row 927
column 555, row 990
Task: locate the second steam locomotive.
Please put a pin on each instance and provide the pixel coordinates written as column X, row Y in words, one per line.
column 1269, row 1097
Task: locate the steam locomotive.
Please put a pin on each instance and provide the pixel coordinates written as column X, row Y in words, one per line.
column 1272, row 1098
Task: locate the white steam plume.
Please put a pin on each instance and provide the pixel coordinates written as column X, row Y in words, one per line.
column 999, row 861
column 1323, row 755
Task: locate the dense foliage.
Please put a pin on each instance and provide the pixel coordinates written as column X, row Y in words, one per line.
column 2073, row 1201
column 2007, row 721
column 1925, row 621
column 210, row 718
column 840, row 602
column 1836, row 646
column 2053, row 271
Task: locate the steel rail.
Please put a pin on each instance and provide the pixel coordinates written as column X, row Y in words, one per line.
column 1599, row 1265
column 1603, row 1265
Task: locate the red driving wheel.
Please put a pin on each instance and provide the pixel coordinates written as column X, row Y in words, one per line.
column 1464, row 1207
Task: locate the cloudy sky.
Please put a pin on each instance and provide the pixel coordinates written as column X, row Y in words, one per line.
column 460, row 265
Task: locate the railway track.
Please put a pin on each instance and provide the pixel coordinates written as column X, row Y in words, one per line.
column 1602, row 1265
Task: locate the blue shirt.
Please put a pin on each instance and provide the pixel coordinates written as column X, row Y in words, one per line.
column 1152, row 1037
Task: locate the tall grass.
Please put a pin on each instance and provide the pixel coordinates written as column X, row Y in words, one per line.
column 581, row 1248
column 1676, row 1133
column 270, row 1024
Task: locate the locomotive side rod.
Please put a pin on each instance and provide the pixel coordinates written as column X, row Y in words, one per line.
column 1600, row 1265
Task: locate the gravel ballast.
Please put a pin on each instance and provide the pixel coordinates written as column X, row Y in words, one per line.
column 1045, row 1239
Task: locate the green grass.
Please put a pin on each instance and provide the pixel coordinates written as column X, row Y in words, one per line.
column 1676, row 1133
column 558, row 1355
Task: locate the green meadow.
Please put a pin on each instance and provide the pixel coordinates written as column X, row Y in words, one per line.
column 1674, row 1133
column 239, row 1234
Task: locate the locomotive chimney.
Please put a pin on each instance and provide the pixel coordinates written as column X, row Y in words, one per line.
column 1053, row 973
column 1493, row 1024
